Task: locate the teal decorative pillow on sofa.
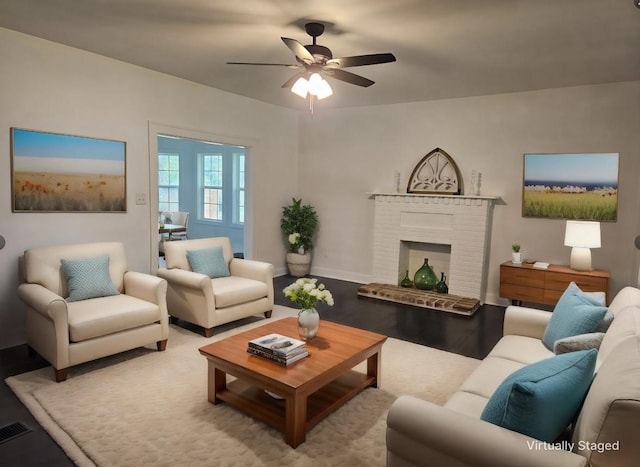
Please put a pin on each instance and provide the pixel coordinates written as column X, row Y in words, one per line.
column 575, row 313
column 209, row 261
column 88, row 278
column 541, row 399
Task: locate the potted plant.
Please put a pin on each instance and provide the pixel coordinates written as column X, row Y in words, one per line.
column 516, row 254
column 299, row 223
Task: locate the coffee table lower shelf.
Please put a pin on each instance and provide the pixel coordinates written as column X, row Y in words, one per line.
column 257, row 403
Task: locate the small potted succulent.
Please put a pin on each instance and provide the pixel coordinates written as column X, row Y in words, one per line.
column 516, row 254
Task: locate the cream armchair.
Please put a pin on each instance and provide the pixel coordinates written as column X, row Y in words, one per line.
column 206, row 302
column 68, row 333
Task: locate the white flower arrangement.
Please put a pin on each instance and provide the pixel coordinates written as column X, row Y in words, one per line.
column 294, row 239
column 307, row 293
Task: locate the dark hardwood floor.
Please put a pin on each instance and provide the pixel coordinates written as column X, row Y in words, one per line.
column 470, row 336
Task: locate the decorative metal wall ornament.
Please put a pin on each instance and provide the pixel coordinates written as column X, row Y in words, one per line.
column 436, row 173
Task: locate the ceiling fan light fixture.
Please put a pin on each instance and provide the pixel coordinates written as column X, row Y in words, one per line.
column 324, row 90
column 300, row 87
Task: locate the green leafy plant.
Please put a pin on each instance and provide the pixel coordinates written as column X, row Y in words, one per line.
column 301, row 219
column 515, row 247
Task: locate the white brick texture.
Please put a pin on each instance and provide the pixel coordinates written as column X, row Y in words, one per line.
column 459, row 221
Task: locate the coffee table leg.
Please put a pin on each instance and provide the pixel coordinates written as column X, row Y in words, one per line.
column 373, row 368
column 296, row 420
column 216, row 382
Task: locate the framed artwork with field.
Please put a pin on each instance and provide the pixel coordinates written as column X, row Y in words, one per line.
column 580, row 186
column 52, row 172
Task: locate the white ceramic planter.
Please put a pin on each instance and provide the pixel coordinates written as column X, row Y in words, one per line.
column 516, row 257
column 299, row 265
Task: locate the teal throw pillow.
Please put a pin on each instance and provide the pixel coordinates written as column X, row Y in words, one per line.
column 542, row 399
column 209, row 261
column 88, row 278
column 575, row 313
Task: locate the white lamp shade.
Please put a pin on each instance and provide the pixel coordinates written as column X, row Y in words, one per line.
column 300, row 87
column 582, row 234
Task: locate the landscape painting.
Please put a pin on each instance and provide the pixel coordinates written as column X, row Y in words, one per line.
column 62, row 173
column 571, row 186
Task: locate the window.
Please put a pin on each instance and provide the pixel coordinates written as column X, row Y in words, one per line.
column 212, row 186
column 168, row 182
column 238, row 188
column 221, row 185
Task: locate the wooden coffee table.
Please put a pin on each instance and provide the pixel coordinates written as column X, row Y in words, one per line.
column 312, row 388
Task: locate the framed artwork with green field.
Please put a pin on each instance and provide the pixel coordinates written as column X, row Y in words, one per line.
column 580, row 186
column 52, row 172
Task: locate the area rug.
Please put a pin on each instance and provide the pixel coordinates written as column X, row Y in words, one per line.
column 145, row 407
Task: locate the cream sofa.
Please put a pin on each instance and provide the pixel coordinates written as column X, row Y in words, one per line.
column 424, row 434
column 206, row 302
column 68, row 333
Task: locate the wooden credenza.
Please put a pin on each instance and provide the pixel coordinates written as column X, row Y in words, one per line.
column 524, row 283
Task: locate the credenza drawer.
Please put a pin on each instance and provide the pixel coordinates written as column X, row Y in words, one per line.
column 560, row 281
column 520, row 276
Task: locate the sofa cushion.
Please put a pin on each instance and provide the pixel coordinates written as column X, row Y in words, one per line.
column 107, row 315
column 88, row 278
column 541, row 399
column 626, row 324
column 575, row 313
column 234, row 290
column 488, row 376
column 524, row 350
column 208, row 261
column 588, row 341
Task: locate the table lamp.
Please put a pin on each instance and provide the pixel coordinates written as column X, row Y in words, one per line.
column 582, row 236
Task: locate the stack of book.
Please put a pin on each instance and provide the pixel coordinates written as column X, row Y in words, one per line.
column 278, row 348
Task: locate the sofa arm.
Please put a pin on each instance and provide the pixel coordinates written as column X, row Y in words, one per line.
column 527, row 322
column 45, row 302
column 420, row 433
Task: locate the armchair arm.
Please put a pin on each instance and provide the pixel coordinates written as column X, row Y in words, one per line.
column 250, row 269
column 424, row 434
column 45, row 302
column 150, row 289
column 257, row 270
column 184, row 278
column 528, row 322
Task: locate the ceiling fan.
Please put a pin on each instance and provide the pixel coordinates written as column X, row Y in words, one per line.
column 318, row 61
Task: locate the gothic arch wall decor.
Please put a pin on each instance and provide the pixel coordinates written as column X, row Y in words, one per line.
column 436, row 173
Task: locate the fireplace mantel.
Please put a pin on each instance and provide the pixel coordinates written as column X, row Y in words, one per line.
column 424, row 195
column 460, row 221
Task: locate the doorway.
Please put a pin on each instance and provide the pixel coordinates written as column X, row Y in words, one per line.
column 206, row 176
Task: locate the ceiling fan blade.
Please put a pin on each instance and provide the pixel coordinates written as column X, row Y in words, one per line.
column 349, row 77
column 361, row 60
column 288, row 65
column 288, row 83
column 299, row 50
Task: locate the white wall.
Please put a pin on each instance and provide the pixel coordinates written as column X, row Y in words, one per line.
column 50, row 87
column 346, row 153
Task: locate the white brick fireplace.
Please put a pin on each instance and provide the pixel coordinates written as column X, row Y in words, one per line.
column 462, row 222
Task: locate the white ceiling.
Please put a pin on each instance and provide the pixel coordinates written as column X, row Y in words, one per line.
column 444, row 48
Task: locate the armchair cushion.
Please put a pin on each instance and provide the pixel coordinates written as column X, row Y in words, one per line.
column 208, row 261
column 575, row 313
column 541, row 399
column 88, row 278
column 234, row 290
column 107, row 315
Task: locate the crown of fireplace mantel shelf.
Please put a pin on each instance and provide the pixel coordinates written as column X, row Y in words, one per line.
column 374, row 194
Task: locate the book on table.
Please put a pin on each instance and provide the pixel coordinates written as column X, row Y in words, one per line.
column 281, row 349
column 285, row 361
